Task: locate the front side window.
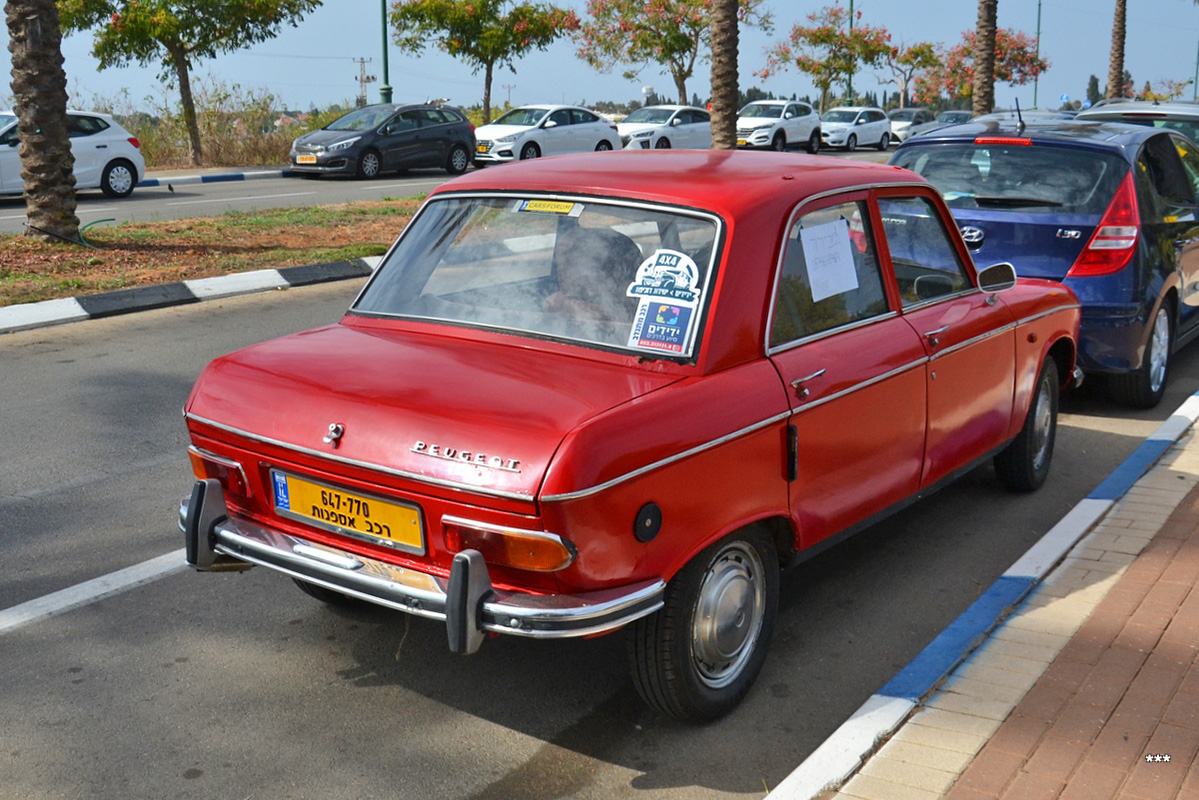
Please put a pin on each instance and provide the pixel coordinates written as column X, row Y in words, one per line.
column 521, row 116
column 592, row 271
column 923, row 255
column 830, row 275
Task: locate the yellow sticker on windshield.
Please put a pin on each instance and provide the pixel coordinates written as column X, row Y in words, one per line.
column 550, row 207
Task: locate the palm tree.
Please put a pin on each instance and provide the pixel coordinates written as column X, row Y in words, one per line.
column 984, row 57
column 1115, row 69
column 724, row 74
column 39, row 87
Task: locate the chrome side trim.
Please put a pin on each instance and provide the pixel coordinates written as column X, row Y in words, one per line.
column 666, row 461
column 400, row 473
column 1048, row 313
column 918, row 363
column 991, row 334
column 849, row 326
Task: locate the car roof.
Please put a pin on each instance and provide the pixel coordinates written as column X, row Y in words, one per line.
column 727, row 182
column 854, row 108
column 1115, row 136
column 1138, row 108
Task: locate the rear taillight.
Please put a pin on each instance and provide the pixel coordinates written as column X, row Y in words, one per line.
column 229, row 473
column 136, row 144
column 510, row 547
column 1115, row 240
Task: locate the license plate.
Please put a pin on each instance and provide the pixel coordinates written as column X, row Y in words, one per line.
column 481, row 148
column 361, row 516
column 305, row 159
column 741, row 142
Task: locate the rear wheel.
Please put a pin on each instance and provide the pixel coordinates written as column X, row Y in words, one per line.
column 814, row 143
column 603, row 146
column 1145, row 387
column 1024, row 464
column 369, row 164
column 118, row 178
column 697, row 657
column 851, row 143
column 458, row 160
column 884, row 142
column 779, row 142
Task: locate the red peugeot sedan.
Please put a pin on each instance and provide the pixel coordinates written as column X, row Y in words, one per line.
column 589, row 393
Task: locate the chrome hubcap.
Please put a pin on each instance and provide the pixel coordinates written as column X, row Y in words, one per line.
column 1042, row 425
column 728, row 614
column 1159, row 351
column 120, row 180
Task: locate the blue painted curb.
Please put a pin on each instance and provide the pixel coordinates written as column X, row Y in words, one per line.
column 222, row 177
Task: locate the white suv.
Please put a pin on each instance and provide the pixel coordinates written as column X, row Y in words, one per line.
column 1177, row 115
column 778, row 124
column 850, row 126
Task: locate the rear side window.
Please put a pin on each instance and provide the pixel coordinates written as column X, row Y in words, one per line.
column 1032, row 179
column 84, row 126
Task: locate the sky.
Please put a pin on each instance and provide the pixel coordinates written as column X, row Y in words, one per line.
column 316, row 64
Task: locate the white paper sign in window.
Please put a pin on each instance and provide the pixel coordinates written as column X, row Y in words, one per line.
column 829, row 257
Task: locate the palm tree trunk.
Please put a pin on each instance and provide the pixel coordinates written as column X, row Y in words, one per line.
column 39, row 87
column 984, row 57
column 1115, row 69
column 725, row 39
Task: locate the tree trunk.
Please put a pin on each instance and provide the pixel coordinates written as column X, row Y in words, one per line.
column 187, row 102
column 39, row 87
column 1115, row 69
column 984, row 57
column 680, row 85
column 487, row 93
column 725, row 39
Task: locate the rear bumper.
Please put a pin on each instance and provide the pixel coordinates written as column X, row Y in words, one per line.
column 1112, row 338
column 466, row 601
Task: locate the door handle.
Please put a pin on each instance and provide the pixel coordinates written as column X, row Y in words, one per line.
column 799, row 382
column 933, row 334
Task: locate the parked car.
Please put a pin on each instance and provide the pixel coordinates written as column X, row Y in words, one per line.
column 953, row 117
column 664, row 127
column 1178, row 115
column 550, row 413
column 903, row 120
column 778, row 125
column 387, row 137
column 1107, row 209
column 107, row 157
column 533, row 131
column 850, row 126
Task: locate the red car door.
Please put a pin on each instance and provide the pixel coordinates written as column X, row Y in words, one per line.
column 969, row 336
column 853, row 370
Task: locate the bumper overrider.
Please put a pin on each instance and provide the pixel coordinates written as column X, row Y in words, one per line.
column 470, row 606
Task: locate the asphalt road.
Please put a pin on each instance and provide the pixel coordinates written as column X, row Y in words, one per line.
column 240, row 686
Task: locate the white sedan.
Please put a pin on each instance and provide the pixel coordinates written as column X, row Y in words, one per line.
column 666, row 126
column 107, row 157
column 534, row 131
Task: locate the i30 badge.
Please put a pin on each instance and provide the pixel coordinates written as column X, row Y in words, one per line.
column 973, row 236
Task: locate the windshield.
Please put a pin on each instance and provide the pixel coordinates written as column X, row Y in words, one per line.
column 902, row 115
column 361, row 120
column 954, row 117
column 839, row 116
column 762, row 110
column 522, row 116
column 1034, row 179
column 598, row 272
column 656, row 116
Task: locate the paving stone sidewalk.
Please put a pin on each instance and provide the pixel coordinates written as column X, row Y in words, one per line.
column 1090, row 690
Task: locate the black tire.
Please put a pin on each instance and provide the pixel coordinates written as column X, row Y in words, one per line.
column 118, row 179
column 458, row 160
column 696, row 658
column 369, row 165
column 662, row 144
column 328, row 596
column 1145, row 387
column 603, row 146
column 530, row 150
column 851, row 143
column 884, row 142
column 1023, row 465
column 814, row 143
column 779, row 142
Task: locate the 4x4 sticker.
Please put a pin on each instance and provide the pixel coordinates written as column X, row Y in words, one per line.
column 666, row 314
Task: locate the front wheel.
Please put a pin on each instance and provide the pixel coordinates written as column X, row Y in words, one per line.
column 696, row 658
column 884, row 142
column 530, row 150
column 851, row 143
column 369, row 165
column 1145, row 387
column 779, row 142
column 1023, row 465
column 118, row 178
column 662, row 144
column 814, row 143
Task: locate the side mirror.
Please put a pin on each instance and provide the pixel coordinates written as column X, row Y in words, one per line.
column 675, row 121
column 549, row 123
column 788, row 115
column 997, row 278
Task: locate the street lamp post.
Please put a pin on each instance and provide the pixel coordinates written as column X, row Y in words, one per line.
column 385, row 86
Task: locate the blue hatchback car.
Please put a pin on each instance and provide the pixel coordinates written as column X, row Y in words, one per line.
column 1108, row 209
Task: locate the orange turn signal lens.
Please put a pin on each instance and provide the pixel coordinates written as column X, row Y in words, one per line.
column 209, row 465
column 509, row 547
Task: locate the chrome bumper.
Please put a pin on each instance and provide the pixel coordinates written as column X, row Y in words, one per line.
column 466, row 601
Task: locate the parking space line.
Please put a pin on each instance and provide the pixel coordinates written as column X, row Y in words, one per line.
column 90, row 591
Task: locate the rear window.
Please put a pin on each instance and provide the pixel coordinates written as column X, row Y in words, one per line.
column 1033, row 179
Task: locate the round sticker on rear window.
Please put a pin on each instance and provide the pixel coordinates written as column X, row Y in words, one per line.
column 666, row 314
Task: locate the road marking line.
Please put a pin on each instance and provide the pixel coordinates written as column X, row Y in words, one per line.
column 239, row 199
column 90, row 591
